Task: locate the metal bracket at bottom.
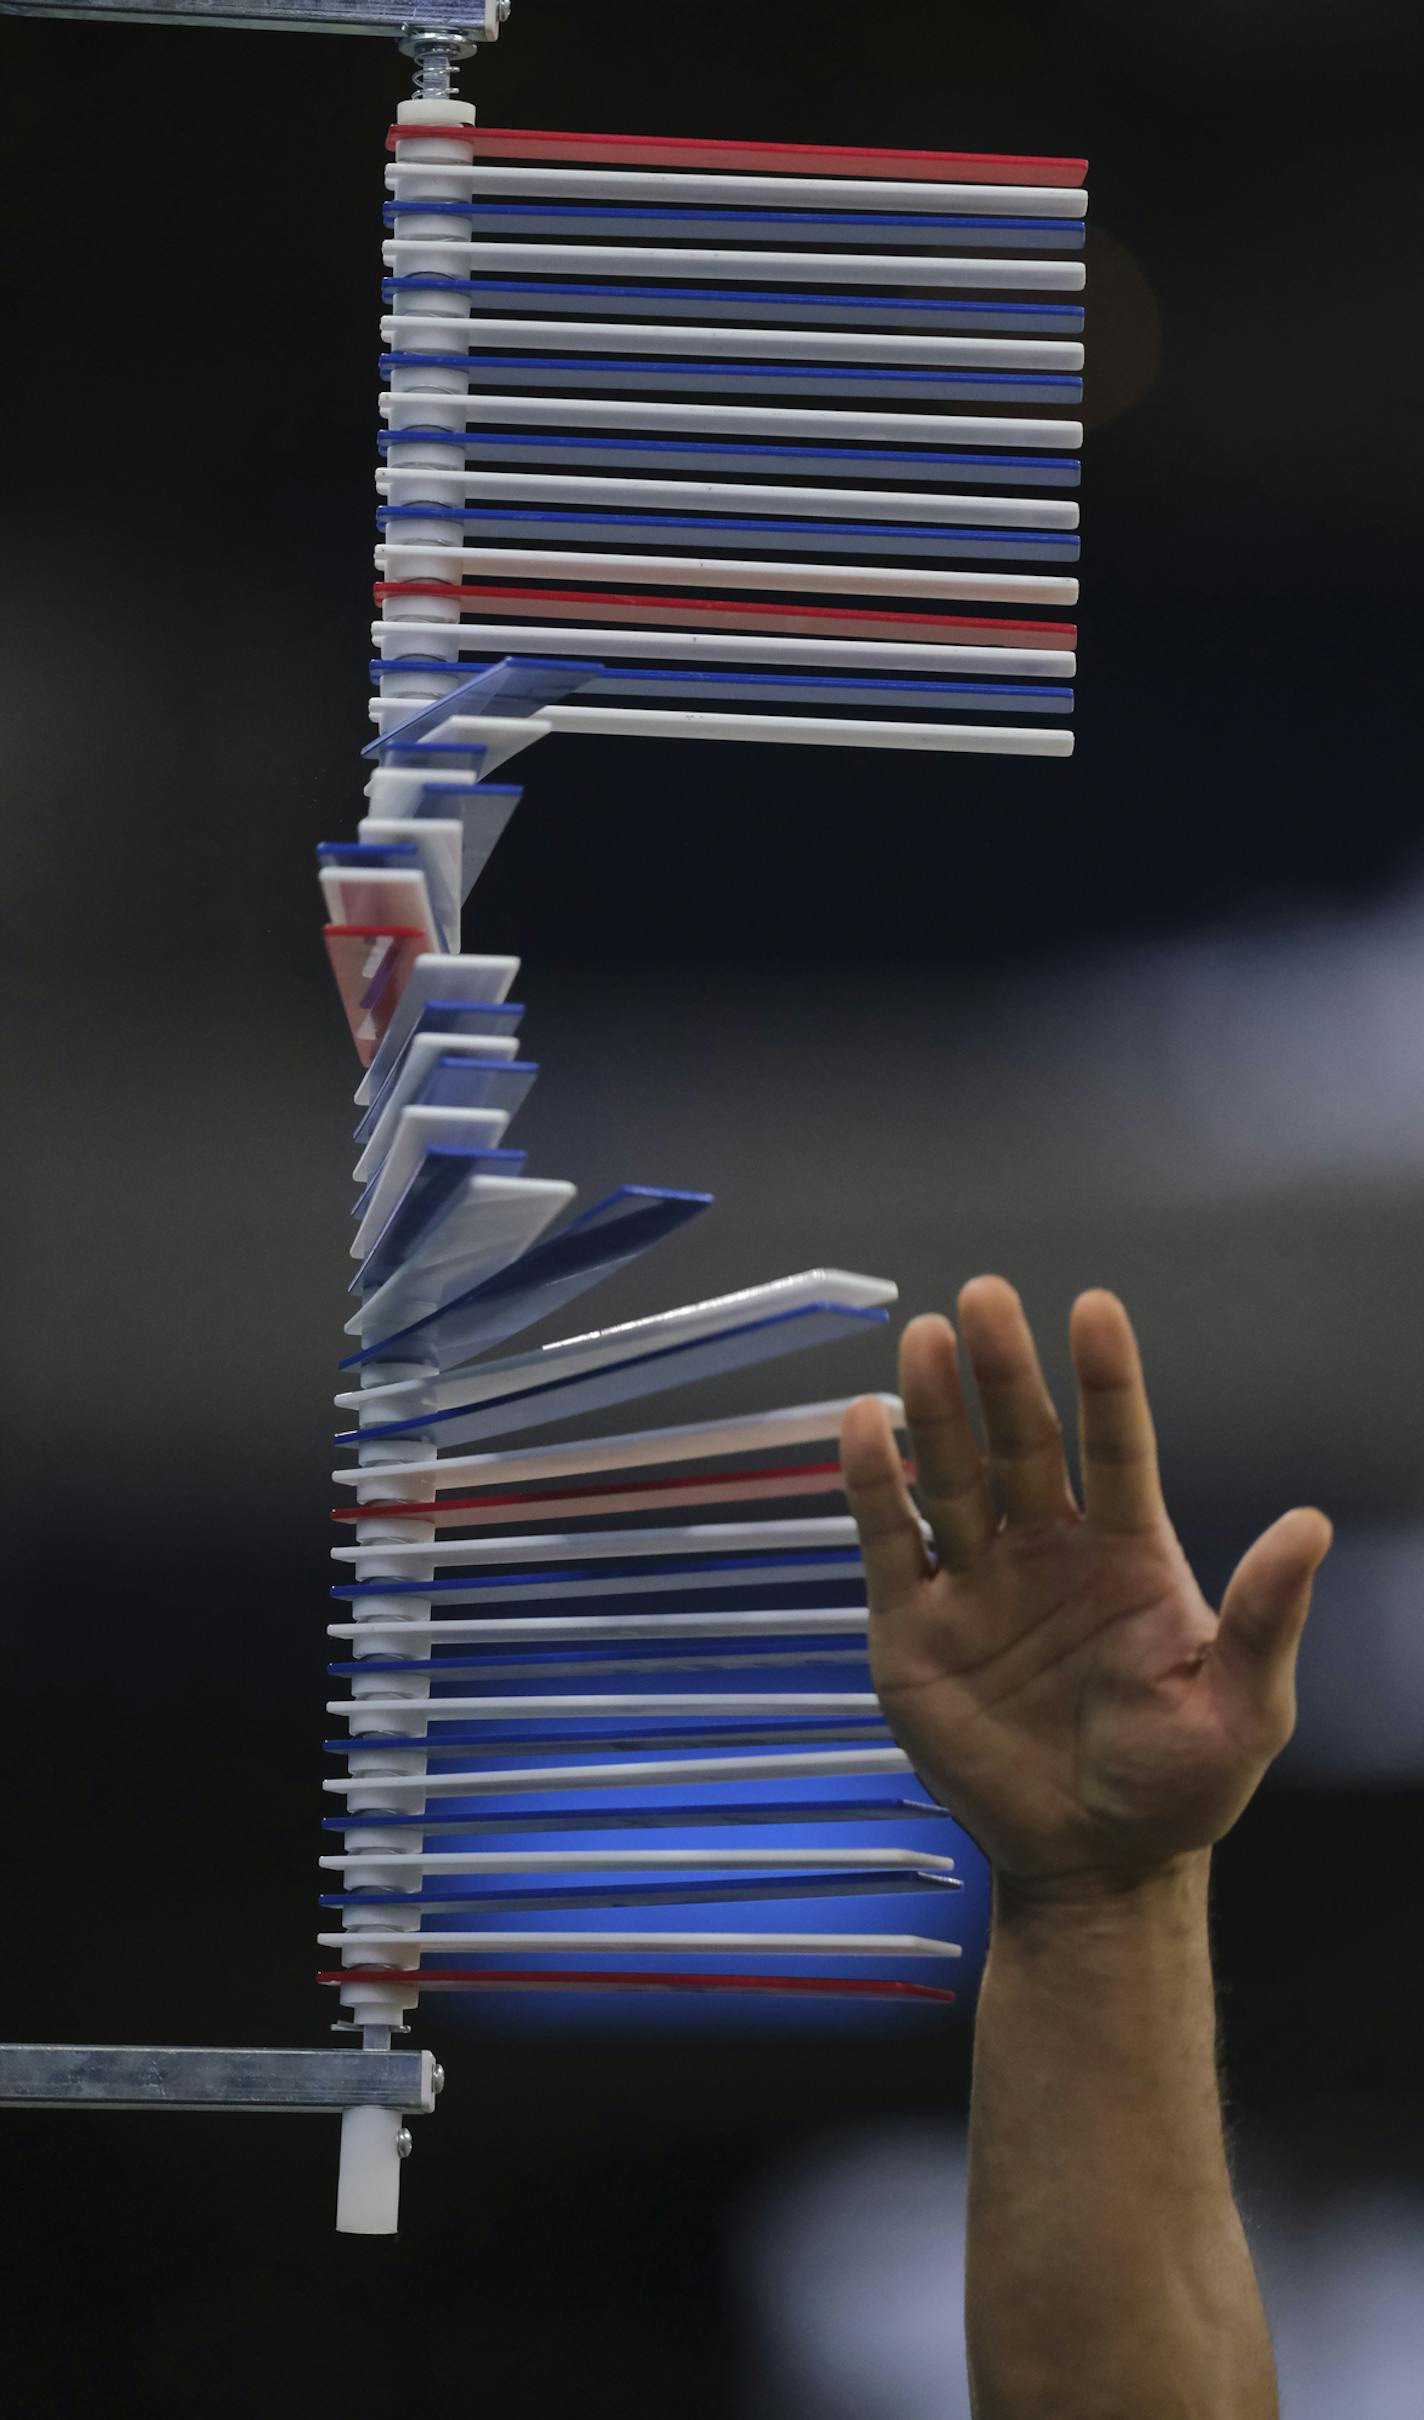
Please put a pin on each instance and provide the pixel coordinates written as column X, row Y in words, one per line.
column 47, row 2075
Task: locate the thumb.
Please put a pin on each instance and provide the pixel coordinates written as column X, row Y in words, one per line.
column 1263, row 1612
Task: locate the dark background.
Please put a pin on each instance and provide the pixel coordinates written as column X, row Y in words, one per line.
column 1152, row 1018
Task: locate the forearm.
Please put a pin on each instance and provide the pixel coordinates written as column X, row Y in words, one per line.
column 1107, row 2274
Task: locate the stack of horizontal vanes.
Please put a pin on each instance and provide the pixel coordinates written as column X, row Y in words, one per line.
column 723, row 441
column 716, row 431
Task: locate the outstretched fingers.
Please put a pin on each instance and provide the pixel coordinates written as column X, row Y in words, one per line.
column 1122, row 1490
column 891, row 1540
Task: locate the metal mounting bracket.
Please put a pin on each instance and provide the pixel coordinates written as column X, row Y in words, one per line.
column 465, row 21
column 47, row 2075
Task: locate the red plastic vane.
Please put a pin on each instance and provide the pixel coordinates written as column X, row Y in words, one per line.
column 838, row 621
column 783, row 1479
column 789, row 159
column 819, row 1987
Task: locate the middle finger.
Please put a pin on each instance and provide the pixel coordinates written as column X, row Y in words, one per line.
column 1022, row 1429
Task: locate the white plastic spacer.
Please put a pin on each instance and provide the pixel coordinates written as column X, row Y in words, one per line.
column 447, row 388
column 368, row 2180
column 377, row 2004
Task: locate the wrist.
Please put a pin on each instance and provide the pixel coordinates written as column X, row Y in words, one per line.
column 1104, row 1900
column 1130, row 1950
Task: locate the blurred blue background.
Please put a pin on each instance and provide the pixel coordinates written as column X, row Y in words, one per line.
column 1151, row 1019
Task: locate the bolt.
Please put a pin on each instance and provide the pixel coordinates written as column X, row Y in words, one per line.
column 437, row 2079
column 404, row 2145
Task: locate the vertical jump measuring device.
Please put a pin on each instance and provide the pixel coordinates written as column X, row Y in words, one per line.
column 679, row 439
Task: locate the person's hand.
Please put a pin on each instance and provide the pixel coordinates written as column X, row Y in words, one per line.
column 1055, row 1675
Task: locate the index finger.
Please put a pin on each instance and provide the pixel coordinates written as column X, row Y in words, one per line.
column 1121, row 1486
column 950, row 1471
column 892, row 1543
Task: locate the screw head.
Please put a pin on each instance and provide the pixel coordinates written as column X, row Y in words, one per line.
column 404, row 2145
column 437, row 2079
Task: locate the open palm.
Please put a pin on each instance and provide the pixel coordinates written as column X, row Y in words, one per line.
column 1054, row 1672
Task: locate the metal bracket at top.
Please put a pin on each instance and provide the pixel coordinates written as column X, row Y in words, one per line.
column 436, row 34
column 463, row 21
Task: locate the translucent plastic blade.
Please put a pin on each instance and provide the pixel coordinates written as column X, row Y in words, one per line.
column 508, row 690
column 806, row 1945
column 437, row 845
column 785, row 1862
column 468, row 981
column 851, row 1805
column 420, row 794
column 678, row 1580
column 819, row 1659
column 372, row 965
column 642, row 1357
column 602, row 1629
column 417, row 1133
column 440, row 1176
column 687, row 1772
column 602, row 1240
column 719, row 1539
column 689, row 1492
column 496, row 1053
column 589, row 1460
column 479, row 1897
column 832, row 456
column 482, row 1226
